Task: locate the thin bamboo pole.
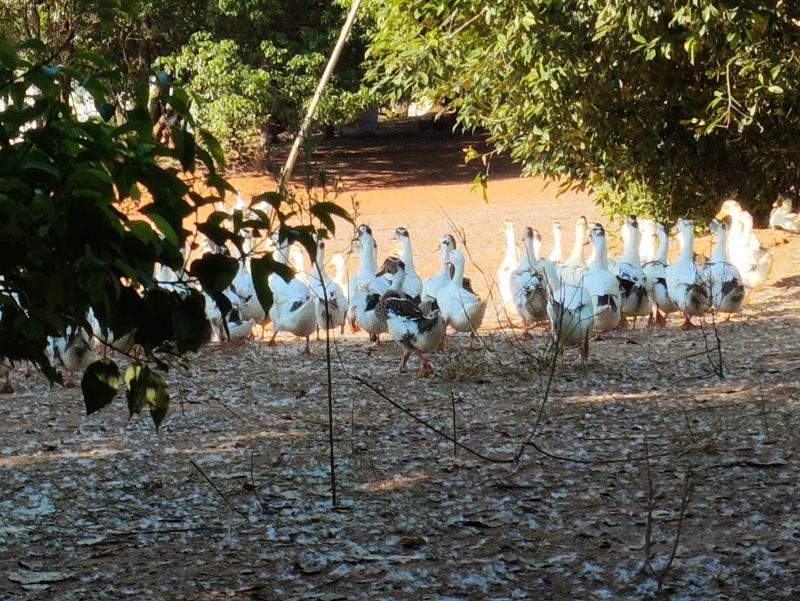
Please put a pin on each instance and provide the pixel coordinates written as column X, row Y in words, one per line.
column 323, row 82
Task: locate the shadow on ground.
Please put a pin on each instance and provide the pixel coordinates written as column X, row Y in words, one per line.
column 400, row 154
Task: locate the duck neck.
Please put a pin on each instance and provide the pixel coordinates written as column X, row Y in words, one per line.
column 537, row 248
column 552, row 278
column 647, row 247
column 631, row 254
column 720, row 252
column 557, row 253
column 687, row 245
column 368, row 265
column 576, row 256
column 747, row 230
column 511, row 248
column 445, row 268
column 397, row 281
column 406, row 256
column 338, row 277
column 663, row 247
column 319, row 267
column 282, row 254
column 530, row 254
column 458, row 273
column 600, row 253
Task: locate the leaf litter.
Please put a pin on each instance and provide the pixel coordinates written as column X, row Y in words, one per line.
column 232, row 498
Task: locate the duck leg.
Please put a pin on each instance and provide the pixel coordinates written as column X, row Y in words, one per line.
column 427, row 369
column 69, row 380
column 652, row 318
column 272, row 340
column 403, row 361
column 307, row 349
column 623, row 323
column 526, row 334
column 661, row 320
column 688, row 325
column 375, row 342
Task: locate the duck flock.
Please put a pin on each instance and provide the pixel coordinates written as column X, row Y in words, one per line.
column 573, row 297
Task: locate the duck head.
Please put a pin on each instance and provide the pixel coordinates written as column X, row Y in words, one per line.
column 730, row 207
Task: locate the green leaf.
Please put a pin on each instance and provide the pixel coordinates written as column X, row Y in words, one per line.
column 136, row 401
column 324, row 210
column 213, row 147
column 775, row 89
column 146, row 388
column 7, row 55
column 262, row 268
column 91, row 57
column 100, row 384
column 215, row 272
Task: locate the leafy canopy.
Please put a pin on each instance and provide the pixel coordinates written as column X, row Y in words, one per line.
column 658, row 107
column 248, row 65
column 69, row 247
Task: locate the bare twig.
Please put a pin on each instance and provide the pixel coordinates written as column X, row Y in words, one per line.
column 218, row 491
column 455, row 431
column 686, row 496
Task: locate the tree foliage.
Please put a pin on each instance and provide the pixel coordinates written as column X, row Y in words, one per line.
column 661, row 107
column 69, row 246
column 248, row 65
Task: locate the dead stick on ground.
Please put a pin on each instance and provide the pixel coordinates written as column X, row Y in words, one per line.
column 686, row 496
column 219, row 492
column 455, row 431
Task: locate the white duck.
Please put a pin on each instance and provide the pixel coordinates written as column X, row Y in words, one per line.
column 431, row 286
column 557, row 254
column 462, row 309
column 507, row 267
column 754, row 263
column 412, row 283
column 249, row 306
column 76, row 351
column 738, row 216
column 655, row 273
column 572, row 270
column 340, row 272
column 782, row 218
column 603, row 287
column 635, row 302
column 238, row 329
column 722, row 277
column 684, row 280
column 647, row 245
column 570, row 310
column 527, row 287
column 408, row 326
column 366, row 288
column 293, row 308
column 322, row 287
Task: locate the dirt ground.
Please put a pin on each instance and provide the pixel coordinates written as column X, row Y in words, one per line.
column 649, row 472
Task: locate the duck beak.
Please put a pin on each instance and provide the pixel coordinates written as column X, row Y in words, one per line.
column 722, row 212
